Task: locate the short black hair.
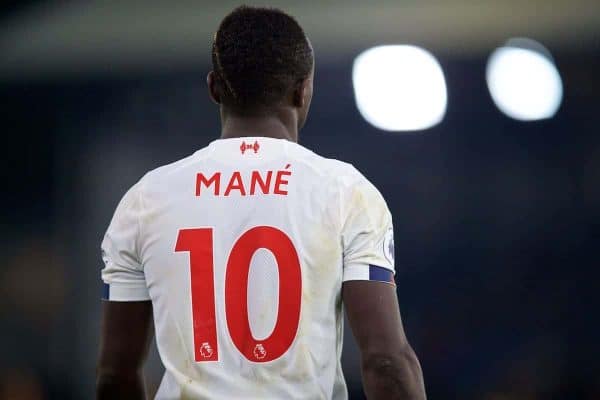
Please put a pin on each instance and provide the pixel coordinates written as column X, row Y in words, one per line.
column 258, row 54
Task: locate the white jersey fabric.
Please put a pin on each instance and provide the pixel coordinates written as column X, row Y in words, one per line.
column 262, row 232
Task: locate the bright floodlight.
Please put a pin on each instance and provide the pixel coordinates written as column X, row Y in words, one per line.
column 399, row 88
column 524, row 82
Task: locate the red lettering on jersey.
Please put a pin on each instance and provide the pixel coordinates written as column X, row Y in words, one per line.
column 279, row 182
column 199, row 243
column 235, row 183
column 259, row 181
column 236, row 293
column 201, row 179
column 264, row 184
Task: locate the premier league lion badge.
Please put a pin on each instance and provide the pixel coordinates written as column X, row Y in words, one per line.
column 388, row 245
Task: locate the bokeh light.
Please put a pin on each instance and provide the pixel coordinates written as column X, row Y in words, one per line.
column 399, row 88
column 523, row 81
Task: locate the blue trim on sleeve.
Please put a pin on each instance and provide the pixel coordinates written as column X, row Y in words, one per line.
column 380, row 274
column 105, row 291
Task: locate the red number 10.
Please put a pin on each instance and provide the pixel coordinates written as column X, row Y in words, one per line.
column 199, row 243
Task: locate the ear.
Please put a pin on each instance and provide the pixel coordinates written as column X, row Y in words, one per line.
column 213, row 92
column 301, row 92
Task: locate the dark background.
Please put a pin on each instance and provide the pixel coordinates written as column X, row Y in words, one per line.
column 496, row 220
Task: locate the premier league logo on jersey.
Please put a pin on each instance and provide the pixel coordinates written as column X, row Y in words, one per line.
column 388, row 245
column 260, row 352
column 206, row 350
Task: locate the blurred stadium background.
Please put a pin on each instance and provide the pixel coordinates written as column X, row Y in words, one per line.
column 497, row 220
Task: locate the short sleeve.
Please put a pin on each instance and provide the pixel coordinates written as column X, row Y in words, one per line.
column 123, row 273
column 367, row 233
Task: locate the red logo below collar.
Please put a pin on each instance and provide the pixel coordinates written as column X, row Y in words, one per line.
column 247, row 146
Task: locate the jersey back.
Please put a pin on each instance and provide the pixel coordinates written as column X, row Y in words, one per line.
column 242, row 249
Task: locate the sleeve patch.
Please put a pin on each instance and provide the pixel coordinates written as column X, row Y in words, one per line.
column 388, row 245
column 380, row 274
column 105, row 291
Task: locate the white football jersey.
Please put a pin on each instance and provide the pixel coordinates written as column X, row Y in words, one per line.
column 242, row 249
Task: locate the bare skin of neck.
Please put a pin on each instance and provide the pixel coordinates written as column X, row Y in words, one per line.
column 280, row 124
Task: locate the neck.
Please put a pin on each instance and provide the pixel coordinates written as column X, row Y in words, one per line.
column 281, row 125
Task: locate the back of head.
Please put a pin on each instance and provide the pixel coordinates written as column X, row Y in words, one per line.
column 259, row 55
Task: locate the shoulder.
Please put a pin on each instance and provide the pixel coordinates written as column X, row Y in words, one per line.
column 353, row 187
column 165, row 172
column 324, row 166
column 346, row 176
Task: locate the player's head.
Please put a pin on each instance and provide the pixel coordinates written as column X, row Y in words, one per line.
column 262, row 61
